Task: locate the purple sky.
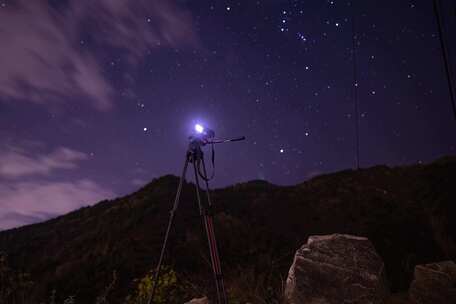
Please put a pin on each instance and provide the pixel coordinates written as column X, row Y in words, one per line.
column 98, row 97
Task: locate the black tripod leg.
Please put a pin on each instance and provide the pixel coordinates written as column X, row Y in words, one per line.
column 203, row 213
column 170, row 223
column 208, row 219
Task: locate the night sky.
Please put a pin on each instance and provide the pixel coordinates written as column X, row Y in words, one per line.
column 98, row 97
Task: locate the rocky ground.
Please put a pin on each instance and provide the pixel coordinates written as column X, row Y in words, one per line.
column 336, row 268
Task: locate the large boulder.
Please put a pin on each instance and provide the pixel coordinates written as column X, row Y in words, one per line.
column 335, row 269
column 434, row 284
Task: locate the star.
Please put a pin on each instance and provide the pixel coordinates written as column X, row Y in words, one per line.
column 302, row 37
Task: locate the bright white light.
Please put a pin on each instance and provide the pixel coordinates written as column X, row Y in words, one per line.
column 199, row 128
column 281, row 150
column 145, row 129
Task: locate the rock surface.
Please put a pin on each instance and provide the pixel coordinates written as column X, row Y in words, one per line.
column 203, row 300
column 335, row 269
column 434, row 284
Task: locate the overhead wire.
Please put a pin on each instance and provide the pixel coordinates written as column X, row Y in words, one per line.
column 355, row 88
column 445, row 54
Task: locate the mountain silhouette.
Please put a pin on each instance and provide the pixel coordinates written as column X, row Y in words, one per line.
column 407, row 212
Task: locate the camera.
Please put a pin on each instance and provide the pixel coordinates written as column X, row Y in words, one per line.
column 202, row 133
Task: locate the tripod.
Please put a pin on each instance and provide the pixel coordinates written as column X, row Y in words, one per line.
column 195, row 156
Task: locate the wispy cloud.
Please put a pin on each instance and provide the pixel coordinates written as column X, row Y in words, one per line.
column 14, row 219
column 45, row 58
column 27, row 202
column 27, row 192
column 15, row 162
column 139, row 182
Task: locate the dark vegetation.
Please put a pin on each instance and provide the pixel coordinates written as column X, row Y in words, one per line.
column 107, row 251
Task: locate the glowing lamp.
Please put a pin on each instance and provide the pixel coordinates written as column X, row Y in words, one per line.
column 199, row 128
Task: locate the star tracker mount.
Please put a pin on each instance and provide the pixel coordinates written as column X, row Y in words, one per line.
column 195, row 156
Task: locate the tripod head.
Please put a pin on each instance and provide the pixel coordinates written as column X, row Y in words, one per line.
column 204, row 136
column 201, row 138
column 199, row 141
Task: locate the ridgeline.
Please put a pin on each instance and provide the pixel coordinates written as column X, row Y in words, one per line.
column 409, row 213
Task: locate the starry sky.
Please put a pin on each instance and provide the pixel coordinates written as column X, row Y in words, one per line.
column 99, row 97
